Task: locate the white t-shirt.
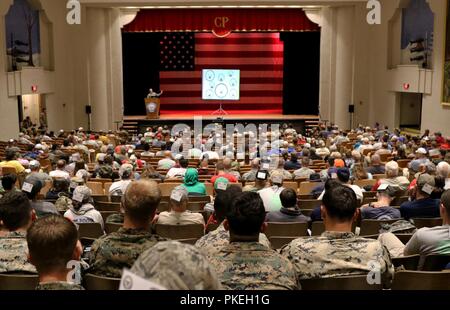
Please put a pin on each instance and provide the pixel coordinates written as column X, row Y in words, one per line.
column 119, row 187
column 176, row 172
column 59, row 174
column 358, row 192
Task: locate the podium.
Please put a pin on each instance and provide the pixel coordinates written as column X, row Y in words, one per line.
column 152, row 107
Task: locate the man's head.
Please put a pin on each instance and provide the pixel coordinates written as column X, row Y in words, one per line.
column 255, row 164
column 288, row 198
column 8, row 181
column 375, row 160
column 445, row 207
column 10, row 154
column 425, row 185
column 276, row 178
column 443, row 169
column 60, row 164
column 184, row 163
column 15, row 211
column 245, row 217
column 391, row 169
column 339, row 205
column 227, row 164
column 176, row 266
column 305, row 162
column 141, row 200
column 219, row 167
column 52, row 243
column 294, row 157
column 343, row 175
column 35, row 166
column 421, row 152
column 33, row 189
column 179, row 199
column 387, row 192
column 223, row 201
column 125, row 171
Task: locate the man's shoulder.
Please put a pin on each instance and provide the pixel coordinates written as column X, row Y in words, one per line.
column 59, row 286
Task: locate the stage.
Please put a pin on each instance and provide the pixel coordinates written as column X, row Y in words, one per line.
column 139, row 124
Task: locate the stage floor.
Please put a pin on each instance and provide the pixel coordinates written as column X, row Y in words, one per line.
column 185, row 116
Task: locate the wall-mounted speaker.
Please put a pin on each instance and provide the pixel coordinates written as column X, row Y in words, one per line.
column 88, row 109
column 351, row 108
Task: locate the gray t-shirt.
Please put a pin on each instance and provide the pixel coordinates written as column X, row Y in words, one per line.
column 427, row 241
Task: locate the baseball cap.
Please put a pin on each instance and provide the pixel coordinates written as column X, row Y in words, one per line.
column 390, row 190
column 125, row 170
column 339, row 163
column 179, row 193
column 34, row 164
column 426, row 183
column 421, row 150
column 221, row 184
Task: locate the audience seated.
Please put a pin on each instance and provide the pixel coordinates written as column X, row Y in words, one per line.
column 422, row 204
column 36, row 173
column 17, row 216
column 381, row 209
column 425, row 241
column 289, row 212
column 343, row 176
column 60, row 188
column 167, row 162
column 392, row 177
column 115, row 251
column 178, row 214
column 176, row 266
column 245, row 264
column 11, row 161
column 260, row 182
column 292, row 163
column 220, row 237
column 221, row 173
column 375, row 165
column 119, row 187
column 82, row 210
column 304, row 171
column 9, row 183
column 338, row 252
column 251, row 175
column 42, row 208
column 53, row 244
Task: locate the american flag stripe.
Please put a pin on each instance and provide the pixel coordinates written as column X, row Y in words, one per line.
column 259, row 56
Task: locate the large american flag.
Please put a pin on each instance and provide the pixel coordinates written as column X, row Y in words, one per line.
column 259, row 56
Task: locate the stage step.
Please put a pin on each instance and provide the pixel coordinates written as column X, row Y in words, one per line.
column 131, row 126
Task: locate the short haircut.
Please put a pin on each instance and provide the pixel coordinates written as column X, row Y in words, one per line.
column 340, row 202
column 15, row 210
column 146, row 147
column 445, row 200
column 343, row 175
column 288, row 198
column 246, row 214
column 141, row 199
column 184, row 163
column 223, row 201
column 10, row 154
column 293, row 157
column 51, row 242
column 8, row 181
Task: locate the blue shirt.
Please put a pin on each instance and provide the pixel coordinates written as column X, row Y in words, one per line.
column 426, row 207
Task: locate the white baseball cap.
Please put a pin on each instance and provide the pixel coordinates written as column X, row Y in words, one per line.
column 421, row 150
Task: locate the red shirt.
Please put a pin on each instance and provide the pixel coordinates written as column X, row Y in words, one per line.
column 227, row 176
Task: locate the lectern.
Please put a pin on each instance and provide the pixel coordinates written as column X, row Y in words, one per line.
column 152, row 107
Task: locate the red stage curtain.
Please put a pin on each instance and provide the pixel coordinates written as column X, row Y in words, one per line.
column 234, row 20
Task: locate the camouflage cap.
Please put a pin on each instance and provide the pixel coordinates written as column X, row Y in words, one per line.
column 176, row 266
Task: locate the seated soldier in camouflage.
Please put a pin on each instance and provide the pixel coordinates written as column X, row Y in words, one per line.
column 113, row 252
column 338, row 252
column 16, row 215
column 244, row 263
column 216, row 239
column 53, row 243
column 176, row 266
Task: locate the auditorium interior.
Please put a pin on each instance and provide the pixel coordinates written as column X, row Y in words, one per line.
column 349, row 91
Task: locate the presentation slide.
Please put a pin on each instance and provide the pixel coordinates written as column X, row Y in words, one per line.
column 219, row 84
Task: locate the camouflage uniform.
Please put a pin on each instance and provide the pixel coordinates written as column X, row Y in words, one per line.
column 116, row 218
column 335, row 254
column 115, row 251
column 252, row 266
column 59, row 286
column 216, row 239
column 13, row 253
column 176, row 266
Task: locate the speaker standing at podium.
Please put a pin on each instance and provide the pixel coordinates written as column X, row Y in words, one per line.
column 152, row 104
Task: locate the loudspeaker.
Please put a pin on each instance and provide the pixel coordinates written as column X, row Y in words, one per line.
column 88, row 109
column 351, row 108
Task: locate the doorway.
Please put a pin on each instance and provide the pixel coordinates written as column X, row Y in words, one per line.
column 33, row 108
column 410, row 111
